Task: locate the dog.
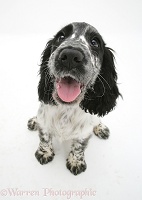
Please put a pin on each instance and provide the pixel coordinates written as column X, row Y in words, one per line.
column 78, row 85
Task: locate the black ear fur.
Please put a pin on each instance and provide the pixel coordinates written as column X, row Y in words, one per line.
column 101, row 99
column 45, row 86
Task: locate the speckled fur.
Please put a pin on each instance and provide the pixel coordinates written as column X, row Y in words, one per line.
column 101, row 131
column 65, row 123
column 97, row 77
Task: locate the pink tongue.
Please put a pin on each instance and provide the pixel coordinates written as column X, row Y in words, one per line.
column 68, row 89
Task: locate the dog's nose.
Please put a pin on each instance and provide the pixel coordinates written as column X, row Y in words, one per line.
column 71, row 57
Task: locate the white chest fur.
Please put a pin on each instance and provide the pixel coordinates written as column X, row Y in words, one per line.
column 65, row 122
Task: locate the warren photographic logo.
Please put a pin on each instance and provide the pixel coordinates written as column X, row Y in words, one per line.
column 48, row 192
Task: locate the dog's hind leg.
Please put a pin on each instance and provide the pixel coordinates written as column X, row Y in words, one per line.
column 32, row 124
column 101, row 131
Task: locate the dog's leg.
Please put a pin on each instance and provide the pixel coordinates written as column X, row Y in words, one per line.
column 45, row 152
column 32, row 124
column 101, row 131
column 75, row 161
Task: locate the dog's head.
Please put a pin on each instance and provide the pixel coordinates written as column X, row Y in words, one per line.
column 77, row 67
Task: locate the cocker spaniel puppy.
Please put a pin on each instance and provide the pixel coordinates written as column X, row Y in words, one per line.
column 77, row 82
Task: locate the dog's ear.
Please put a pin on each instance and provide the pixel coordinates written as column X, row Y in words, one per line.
column 101, row 98
column 45, row 86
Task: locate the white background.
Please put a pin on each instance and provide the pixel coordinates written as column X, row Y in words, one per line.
column 114, row 167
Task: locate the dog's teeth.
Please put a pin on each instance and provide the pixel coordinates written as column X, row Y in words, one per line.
column 58, row 86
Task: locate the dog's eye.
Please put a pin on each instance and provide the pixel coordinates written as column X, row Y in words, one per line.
column 61, row 37
column 94, row 42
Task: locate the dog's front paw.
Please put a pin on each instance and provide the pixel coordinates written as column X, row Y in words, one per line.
column 32, row 124
column 101, row 131
column 44, row 156
column 76, row 165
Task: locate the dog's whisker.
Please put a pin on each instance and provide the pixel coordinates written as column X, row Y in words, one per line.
column 55, row 45
column 42, row 70
column 88, row 98
column 103, row 88
column 105, row 80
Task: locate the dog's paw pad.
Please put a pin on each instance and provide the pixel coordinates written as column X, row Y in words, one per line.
column 32, row 124
column 75, row 165
column 44, row 157
column 101, row 131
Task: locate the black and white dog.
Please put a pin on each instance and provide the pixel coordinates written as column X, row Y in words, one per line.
column 77, row 82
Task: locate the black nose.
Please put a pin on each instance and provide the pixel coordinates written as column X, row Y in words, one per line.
column 71, row 57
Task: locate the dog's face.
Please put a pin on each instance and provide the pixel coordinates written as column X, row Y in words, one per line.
column 73, row 71
column 75, row 61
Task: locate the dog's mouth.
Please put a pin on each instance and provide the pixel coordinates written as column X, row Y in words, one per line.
column 68, row 89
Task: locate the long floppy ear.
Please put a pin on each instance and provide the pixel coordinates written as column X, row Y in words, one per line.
column 101, row 98
column 45, row 86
